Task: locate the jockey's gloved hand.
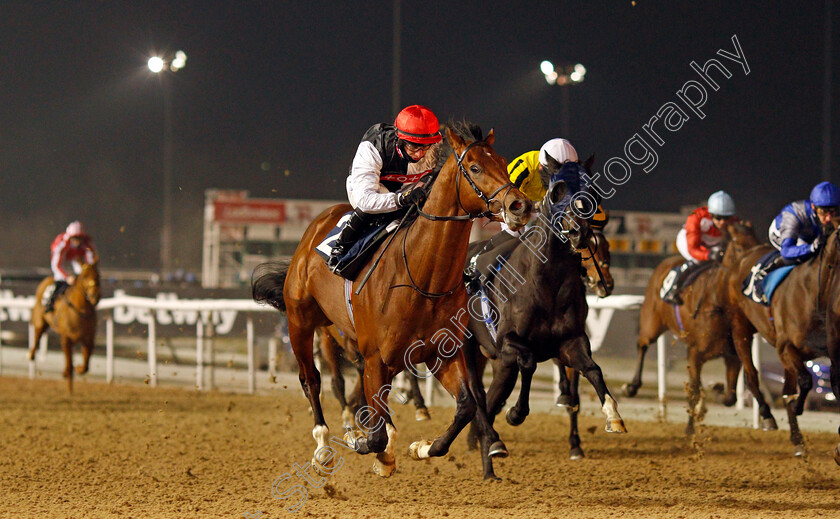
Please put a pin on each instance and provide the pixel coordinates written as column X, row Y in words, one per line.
column 415, row 195
column 716, row 254
column 819, row 242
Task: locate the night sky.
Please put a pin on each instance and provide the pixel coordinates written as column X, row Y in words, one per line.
column 276, row 86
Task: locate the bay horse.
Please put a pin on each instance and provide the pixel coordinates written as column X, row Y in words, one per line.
column 795, row 324
column 544, row 317
column 336, row 348
column 73, row 318
column 702, row 321
column 409, row 311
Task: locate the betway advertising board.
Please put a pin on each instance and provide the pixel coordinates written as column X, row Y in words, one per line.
column 132, row 321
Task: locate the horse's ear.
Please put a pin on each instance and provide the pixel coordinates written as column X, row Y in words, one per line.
column 453, row 139
column 553, row 164
column 748, row 224
column 95, row 259
column 588, row 163
column 491, row 137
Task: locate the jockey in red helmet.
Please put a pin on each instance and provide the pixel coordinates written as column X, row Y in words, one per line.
column 389, row 158
column 69, row 250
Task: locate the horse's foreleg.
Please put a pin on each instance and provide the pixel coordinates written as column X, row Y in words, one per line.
column 573, row 377
column 577, row 354
column 480, row 364
column 87, row 350
column 330, row 352
column 491, row 445
column 696, row 403
column 650, row 328
column 67, row 348
column 374, row 419
column 453, row 375
column 40, row 326
column 790, row 397
column 741, row 338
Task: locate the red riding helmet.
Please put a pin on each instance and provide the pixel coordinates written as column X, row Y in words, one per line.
column 418, row 124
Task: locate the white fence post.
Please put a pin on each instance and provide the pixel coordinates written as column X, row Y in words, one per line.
column 739, row 391
column 556, row 381
column 252, row 361
column 199, row 354
column 42, row 351
column 211, row 331
column 152, row 351
column 1, row 349
column 662, row 372
column 109, row 348
column 430, row 389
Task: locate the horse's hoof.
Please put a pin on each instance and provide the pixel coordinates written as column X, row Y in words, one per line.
column 491, row 477
column 689, row 430
column 383, row 470
column 769, row 424
column 615, row 426
column 321, row 470
column 419, row 450
column 513, row 417
column 352, row 437
column 799, row 450
column 563, row 401
column 81, row 370
column 576, row 453
column 31, row 355
column 729, row 401
column 498, row 450
column 67, row 374
column 837, row 455
column 421, row 415
column 629, row 390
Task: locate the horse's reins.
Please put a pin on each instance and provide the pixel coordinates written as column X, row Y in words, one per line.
column 469, row 216
column 71, row 305
column 595, row 260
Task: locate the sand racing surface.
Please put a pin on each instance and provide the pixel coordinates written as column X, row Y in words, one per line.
column 134, row 451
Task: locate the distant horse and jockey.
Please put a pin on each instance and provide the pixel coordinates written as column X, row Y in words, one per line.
column 66, row 303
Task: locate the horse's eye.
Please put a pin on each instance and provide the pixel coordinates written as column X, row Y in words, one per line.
column 474, row 169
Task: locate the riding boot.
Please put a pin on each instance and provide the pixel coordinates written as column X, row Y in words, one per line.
column 672, row 296
column 60, row 287
column 485, row 262
column 348, row 236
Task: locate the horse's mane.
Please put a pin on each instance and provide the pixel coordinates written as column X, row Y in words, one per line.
column 464, row 129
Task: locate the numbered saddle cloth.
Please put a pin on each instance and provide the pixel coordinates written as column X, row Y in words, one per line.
column 355, row 258
column 683, row 275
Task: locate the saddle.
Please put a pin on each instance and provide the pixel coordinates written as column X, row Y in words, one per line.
column 764, row 277
column 680, row 277
column 357, row 256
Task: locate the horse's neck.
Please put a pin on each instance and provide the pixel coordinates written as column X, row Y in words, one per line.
column 557, row 254
column 441, row 246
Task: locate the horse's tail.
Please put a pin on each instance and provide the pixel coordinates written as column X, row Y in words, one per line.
column 267, row 282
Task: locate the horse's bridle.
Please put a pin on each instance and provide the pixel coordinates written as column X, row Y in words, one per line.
column 484, row 198
column 595, row 260
column 469, row 216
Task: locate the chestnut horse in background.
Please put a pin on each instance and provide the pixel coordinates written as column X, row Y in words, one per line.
column 411, row 308
column 335, row 349
column 795, row 323
column 705, row 328
column 73, row 318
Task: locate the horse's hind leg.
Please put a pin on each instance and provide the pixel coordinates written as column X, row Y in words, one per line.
column 330, row 352
column 564, row 398
column 87, row 351
column 480, row 364
column 375, row 418
column 481, row 428
column 696, row 403
column 527, row 365
column 833, row 344
column 40, row 327
column 421, row 413
column 577, row 354
column 301, row 335
column 733, row 368
column 573, row 378
column 794, row 372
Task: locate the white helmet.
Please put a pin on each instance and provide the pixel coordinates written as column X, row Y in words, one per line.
column 75, row 229
column 560, row 150
column 720, row 203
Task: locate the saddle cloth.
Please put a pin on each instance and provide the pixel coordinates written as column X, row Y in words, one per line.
column 760, row 284
column 686, row 273
column 355, row 258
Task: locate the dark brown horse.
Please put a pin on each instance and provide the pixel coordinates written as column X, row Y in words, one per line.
column 337, row 349
column 542, row 317
column 73, row 318
column 795, row 323
column 411, row 309
column 705, row 327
